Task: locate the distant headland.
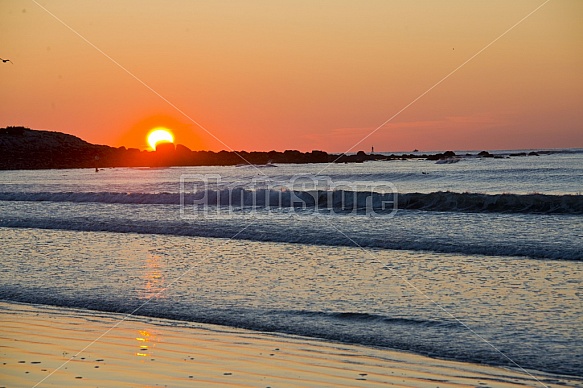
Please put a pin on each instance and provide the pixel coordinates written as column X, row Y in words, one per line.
column 23, row 148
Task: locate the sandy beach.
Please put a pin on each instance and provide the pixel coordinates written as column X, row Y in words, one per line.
column 55, row 347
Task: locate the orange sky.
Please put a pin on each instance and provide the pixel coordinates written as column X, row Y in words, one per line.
column 263, row 75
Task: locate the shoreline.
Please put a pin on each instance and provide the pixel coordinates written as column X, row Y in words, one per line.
column 48, row 346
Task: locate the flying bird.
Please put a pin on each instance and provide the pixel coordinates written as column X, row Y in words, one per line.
column 6, row 60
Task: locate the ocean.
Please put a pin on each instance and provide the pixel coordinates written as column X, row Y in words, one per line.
column 485, row 267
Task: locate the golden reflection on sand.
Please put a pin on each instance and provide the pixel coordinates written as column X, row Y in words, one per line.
column 147, row 342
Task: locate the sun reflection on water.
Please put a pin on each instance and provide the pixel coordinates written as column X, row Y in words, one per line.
column 154, row 282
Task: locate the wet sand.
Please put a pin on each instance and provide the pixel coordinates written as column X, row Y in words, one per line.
column 56, row 347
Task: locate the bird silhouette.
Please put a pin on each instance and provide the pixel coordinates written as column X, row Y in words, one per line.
column 6, row 60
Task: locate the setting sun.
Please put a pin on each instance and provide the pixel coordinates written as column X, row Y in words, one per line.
column 159, row 135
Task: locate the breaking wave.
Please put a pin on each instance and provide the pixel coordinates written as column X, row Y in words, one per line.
column 322, row 200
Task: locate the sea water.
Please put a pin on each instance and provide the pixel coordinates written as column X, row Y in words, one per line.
column 499, row 286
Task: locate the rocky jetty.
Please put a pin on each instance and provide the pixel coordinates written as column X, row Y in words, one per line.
column 24, row 148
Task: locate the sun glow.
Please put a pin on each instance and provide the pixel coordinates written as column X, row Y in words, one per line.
column 159, row 135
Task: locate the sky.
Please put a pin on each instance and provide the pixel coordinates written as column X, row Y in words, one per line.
column 338, row 76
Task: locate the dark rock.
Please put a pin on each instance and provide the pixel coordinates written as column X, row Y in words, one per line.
column 165, row 147
column 24, row 148
column 13, row 131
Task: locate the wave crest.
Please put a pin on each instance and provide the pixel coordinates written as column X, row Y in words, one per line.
column 322, row 200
